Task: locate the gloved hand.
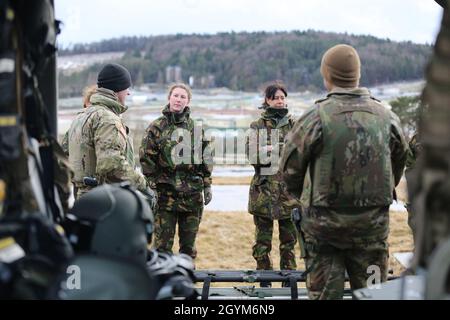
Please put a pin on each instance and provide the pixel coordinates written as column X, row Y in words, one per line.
column 152, row 198
column 208, row 195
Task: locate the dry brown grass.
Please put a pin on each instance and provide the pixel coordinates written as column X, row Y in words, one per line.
column 400, row 239
column 225, row 241
column 231, row 180
column 402, row 191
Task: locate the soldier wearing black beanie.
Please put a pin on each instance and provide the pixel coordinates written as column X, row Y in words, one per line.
column 99, row 145
column 114, row 77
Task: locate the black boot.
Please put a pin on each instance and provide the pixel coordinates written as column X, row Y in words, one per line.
column 265, row 284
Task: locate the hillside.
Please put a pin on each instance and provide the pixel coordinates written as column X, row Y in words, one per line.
column 245, row 61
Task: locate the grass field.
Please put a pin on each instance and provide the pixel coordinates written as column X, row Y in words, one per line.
column 225, row 239
column 231, row 180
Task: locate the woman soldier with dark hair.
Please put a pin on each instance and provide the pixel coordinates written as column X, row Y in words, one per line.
column 269, row 200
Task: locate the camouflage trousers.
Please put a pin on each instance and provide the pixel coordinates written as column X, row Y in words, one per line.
column 411, row 221
column 326, row 266
column 184, row 210
column 263, row 243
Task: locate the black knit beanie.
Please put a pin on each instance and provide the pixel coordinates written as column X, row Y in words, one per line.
column 114, row 77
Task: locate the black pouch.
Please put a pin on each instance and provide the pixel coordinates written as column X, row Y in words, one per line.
column 7, row 82
column 9, row 138
column 297, row 219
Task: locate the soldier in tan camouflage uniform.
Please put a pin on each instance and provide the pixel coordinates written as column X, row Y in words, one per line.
column 268, row 198
column 99, row 145
column 179, row 176
column 355, row 151
column 87, row 94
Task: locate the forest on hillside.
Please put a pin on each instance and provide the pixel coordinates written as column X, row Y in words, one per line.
column 244, row 61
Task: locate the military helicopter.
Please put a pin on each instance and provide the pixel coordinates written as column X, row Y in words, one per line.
column 32, row 166
column 37, row 258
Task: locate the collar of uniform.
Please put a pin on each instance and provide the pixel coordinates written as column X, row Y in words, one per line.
column 109, row 99
column 176, row 117
column 271, row 113
column 279, row 116
column 352, row 91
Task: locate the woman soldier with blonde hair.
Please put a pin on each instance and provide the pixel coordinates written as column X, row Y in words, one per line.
column 87, row 93
column 180, row 185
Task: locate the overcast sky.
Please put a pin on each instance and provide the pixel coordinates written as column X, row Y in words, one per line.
column 94, row 20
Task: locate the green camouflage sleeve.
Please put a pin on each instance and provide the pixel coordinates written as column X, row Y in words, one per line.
column 251, row 140
column 148, row 155
column 303, row 141
column 207, row 163
column 248, row 142
column 413, row 152
column 110, row 149
column 399, row 148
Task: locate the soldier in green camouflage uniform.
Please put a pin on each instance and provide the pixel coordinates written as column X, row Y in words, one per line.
column 179, row 184
column 99, row 145
column 355, row 151
column 268, row 197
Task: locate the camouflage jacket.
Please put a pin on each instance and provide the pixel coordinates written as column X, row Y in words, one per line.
column 174, row 154
column 352, row 198
column 415, row 149
column 65, row 143
column 99, row 145
column 268, row 196
column 357, row 144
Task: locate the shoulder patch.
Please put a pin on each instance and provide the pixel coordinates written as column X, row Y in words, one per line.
column 121, row 129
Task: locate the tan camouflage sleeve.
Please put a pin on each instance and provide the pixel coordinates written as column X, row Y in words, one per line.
column 62, row 173
column 399, row 148
column 65, row 143
column 148, row 156
column 303, row 141
column 110, row 145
